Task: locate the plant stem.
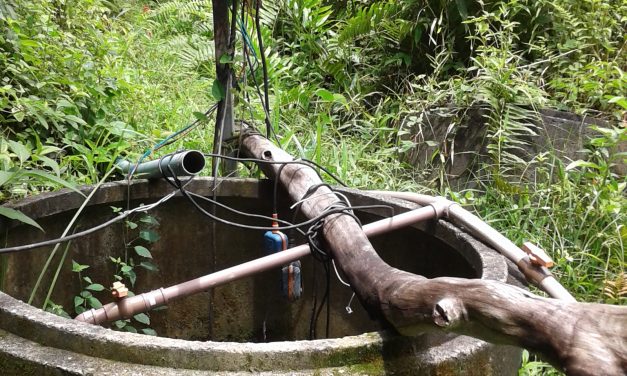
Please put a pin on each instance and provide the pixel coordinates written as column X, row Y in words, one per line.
column 56, row 275
column 65, row 232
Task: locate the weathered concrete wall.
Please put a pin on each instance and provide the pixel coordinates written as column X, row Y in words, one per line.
column 456, row 139
column 190, row 247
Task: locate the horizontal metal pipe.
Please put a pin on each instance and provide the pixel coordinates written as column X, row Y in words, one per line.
column 478, row 228
column 129, row 306
column 185, row 163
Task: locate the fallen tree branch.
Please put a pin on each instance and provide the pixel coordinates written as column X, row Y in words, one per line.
column 580, row 338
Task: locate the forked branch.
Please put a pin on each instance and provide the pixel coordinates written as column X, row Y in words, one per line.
column 580, row 338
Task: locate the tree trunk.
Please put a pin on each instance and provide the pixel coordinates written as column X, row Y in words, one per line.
column 580, row 338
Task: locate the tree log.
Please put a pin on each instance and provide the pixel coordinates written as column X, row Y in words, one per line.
column 579, row 338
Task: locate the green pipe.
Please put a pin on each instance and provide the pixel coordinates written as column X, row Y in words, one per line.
column 184, row 163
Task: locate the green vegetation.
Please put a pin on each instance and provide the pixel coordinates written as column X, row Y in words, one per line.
column 126, row 272
column 87, row 81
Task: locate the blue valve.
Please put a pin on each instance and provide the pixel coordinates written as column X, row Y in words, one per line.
column 291, row 281
column 274, row 241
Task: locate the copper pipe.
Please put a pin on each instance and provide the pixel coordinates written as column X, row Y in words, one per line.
column 130, row 306
column 538, row 275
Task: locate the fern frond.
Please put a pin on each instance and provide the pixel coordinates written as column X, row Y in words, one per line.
column 182, row 9
column 366, row 20
column 196, row 53
column 7, row 9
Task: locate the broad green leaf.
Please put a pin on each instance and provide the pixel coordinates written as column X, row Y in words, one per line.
column 149, row 219
column 130, row 328
column 28, row 43
column 325, row 94
column 64, row 103
column 339, row 98
column 201, row 116
column 581, row 163
column 52, row 178
column 75, row 120
column 18, row 115
column 462, row 8
column 143, row 251
column 149, row 236
column 20, row 150
column 143, row 318
column 131, row 225
column 149, row 266
column 217, row 90
column 94, row 303
column 18, row 216
column 78, row 301
column 126, row 269
column 132, row 277
column 225, row 59
column 149, row 331
column 50, row 163
column 76, row 267
column 5, row 176
column 95, row 287
column 47, row 149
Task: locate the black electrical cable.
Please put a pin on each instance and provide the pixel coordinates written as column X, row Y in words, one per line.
column 224, row 102
column 189, row 128
column 303, row 162
column 188, row 196
column 280, row 228
column 309, row 192
column 324, row 300
column 185, row 193
column 328, row 271
column 263, row 60
column 77, row 235
column 313, row 230
column 261, row 99
column 320, row 255
column 276, row 189
column 312, row 323
column 245, row 214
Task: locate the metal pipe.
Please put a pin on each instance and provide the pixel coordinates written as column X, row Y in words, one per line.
column 185, row 163
column 539, row 275
column 130, row 306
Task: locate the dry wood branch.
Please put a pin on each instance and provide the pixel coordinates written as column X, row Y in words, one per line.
column 580, row 338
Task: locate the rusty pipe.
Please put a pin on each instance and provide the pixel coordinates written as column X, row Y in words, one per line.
column 130, row 306
column 538, row 275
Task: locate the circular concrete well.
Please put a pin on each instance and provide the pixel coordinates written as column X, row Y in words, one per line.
column 242, row 327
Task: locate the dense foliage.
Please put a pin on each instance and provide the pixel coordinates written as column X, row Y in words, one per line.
column 86, row 81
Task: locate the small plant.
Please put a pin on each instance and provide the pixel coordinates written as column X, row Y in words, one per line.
column 85, row 300
column 136, row 255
